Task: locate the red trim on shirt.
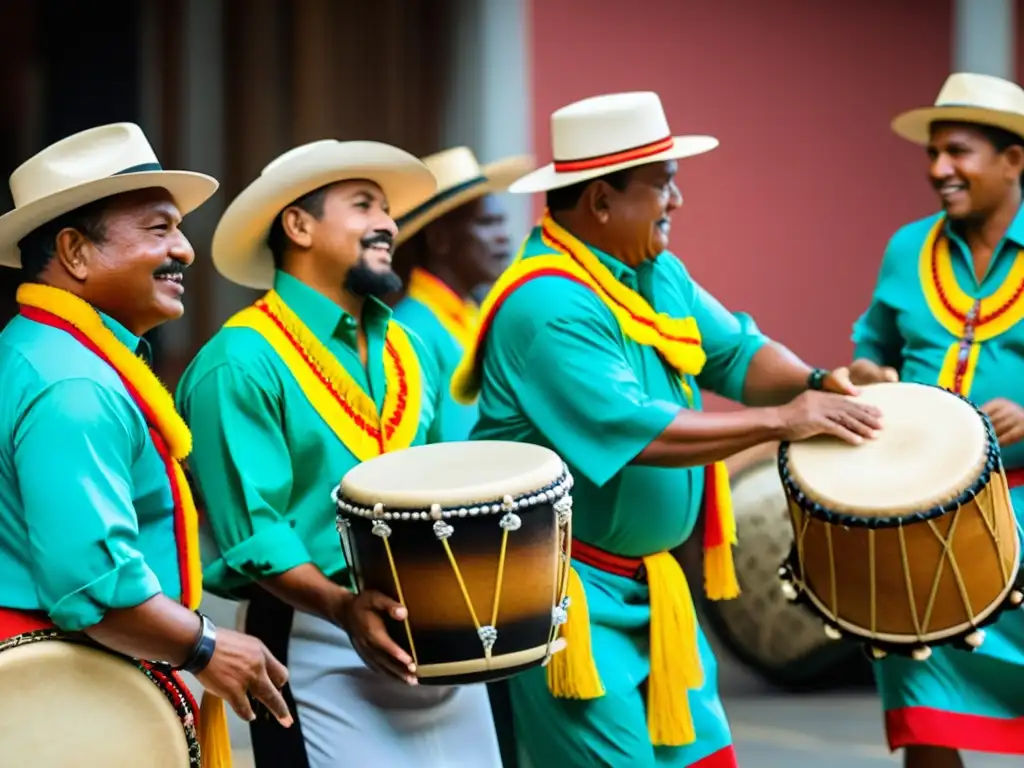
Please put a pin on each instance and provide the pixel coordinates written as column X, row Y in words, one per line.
column 925, row 726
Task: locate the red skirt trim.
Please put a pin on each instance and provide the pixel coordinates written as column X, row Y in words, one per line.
column 924, row 726
column 723, row 758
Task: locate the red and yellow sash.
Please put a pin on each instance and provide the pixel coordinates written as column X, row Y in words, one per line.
column 675, row 659
column 459, row 317
column 168, row 431
column 970, row 321
column 332, row 392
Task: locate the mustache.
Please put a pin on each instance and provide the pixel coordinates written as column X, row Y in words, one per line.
column 380, row 237
column 172, row 267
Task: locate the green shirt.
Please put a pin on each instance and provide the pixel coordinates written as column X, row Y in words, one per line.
column 263, row 459
column 558, row 371
column 458, row 419
column 86, row 512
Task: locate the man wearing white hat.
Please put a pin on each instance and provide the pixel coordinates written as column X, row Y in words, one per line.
column 97, row 523
column 595, row 342
column 288, row 396
column 456, row 242
column 947, row 310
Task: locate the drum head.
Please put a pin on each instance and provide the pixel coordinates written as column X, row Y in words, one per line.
column 784, row 643
column 932, row 447
column 452, row 474
column 76, row 707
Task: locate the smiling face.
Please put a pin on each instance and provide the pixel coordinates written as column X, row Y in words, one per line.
column 349, row 240
column 636, row 220
column 132, row 265
column 973, row 168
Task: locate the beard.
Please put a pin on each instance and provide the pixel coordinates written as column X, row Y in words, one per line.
column 362, row 280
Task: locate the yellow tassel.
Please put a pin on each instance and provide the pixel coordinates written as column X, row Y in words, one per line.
column 214, row 737
column 675, row 658
column 720, row 582
column 572, row 673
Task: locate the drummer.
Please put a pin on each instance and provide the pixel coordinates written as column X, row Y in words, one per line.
column 595, row 343
column 915, row 330
column 88, row 506
column 455, row 243
column 283, row 401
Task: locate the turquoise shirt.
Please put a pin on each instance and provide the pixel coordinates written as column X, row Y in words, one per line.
column 458, row 419
column 899, row 329
column 86, row 513
column 263, row 459
column 558, row 371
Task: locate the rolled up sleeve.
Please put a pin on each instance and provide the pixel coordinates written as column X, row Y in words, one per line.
column 730, row 339
column 242, row 467
column 73, row 450
column 579, row 391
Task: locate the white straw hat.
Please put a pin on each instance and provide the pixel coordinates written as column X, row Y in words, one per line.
column 460, row 179
column 602, row 134
column 86, row 167
column 240, row 251
column 967, row 98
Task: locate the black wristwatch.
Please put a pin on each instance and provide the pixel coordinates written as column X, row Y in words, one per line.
column 816, row 379
column 203, row 650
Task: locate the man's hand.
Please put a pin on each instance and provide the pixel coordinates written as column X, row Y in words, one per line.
column 242, row 666
column 824, row 413
column 838, row 381
column 1007, row 420
column 362, row 617
column 864, row 371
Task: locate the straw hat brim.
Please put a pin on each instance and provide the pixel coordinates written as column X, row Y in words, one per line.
column 494, row 177
column 915, row 124
column 547, row 178
column 240, row 250
column 189, row 190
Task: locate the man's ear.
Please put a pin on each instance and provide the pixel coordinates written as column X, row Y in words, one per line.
column 73, row 251
column 297, row 226
column 437, row 238
column 596, row 199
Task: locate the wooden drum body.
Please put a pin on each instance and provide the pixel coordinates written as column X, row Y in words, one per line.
column 471, row 537
column 908, row 540
column 782, row 642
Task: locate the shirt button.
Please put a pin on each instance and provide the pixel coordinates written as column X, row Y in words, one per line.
column 350, row 322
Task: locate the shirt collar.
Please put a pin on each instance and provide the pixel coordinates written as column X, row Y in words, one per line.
column 1014, row 232
column 137, row 344
column 321, row 315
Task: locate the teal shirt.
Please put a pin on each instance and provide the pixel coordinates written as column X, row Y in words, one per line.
column 558, row 371
column 898, row 328
column 263, row 459
column 86, row 512
column 458, row 419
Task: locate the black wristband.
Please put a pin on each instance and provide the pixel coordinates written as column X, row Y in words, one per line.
column 203, row 650
column 816, row 379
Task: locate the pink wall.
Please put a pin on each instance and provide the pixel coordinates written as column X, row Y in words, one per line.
column 788, row 218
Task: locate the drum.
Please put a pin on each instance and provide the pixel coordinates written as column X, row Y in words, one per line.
column 473, row 539
column 908, row 540
column 783, row 643
column 69, row 704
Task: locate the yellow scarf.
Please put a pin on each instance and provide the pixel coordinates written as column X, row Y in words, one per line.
column 971, row 322
column 675, row 659
column 173, row 441
column 459, row 317
column 332, row 392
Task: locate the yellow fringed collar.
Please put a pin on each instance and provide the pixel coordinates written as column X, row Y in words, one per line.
column 87, row 321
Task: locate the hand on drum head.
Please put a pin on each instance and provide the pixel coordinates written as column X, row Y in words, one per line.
column 241, row 667
column 864, row 371
column 824, row 413
column 363, row 620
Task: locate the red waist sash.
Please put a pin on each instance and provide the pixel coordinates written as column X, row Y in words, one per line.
column 14, row 622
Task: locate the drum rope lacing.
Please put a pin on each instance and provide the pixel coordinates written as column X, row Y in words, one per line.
column 556, row 493
column 992, row 475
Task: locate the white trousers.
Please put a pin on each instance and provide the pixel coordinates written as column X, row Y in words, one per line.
column 353, row 717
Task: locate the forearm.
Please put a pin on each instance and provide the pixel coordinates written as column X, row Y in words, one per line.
column 695, row 438
column 775, row 376
column 159, row 629
column 307, row 589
